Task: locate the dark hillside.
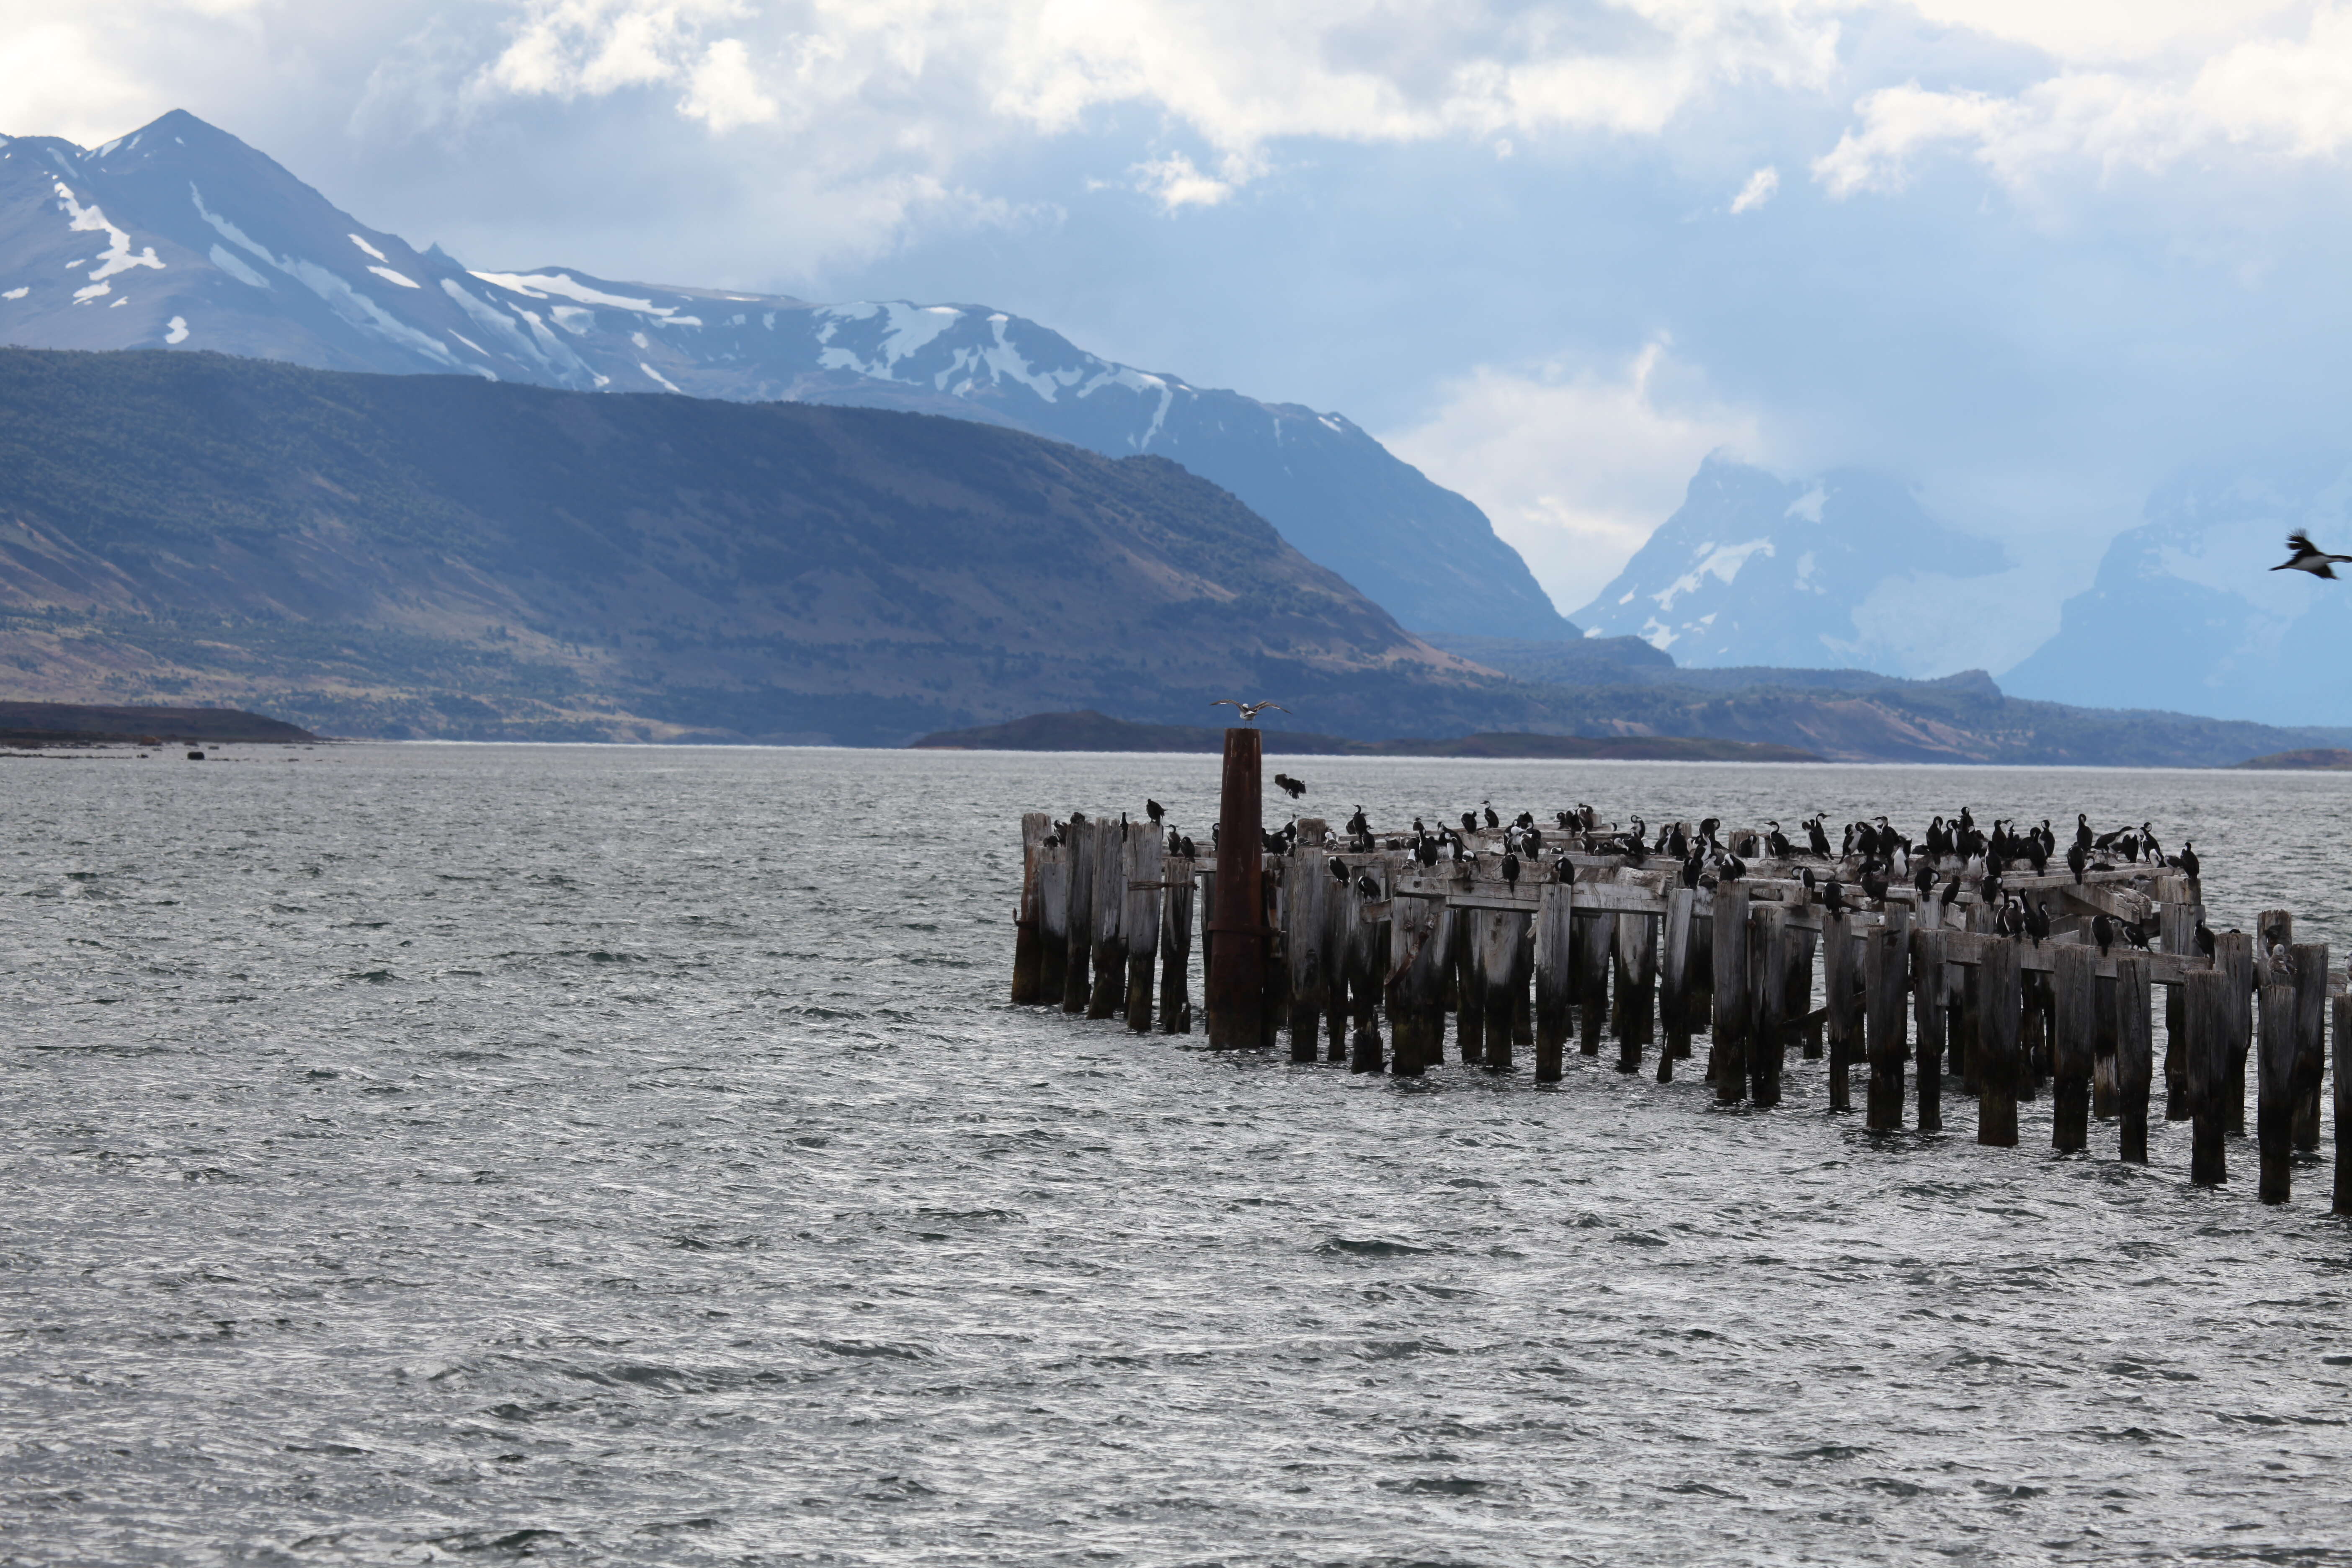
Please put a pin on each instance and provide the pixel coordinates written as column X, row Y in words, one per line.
column 441, row 556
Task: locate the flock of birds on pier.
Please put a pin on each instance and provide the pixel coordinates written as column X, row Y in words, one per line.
column 1951, row 851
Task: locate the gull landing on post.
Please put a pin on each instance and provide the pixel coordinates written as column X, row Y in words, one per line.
column 1248, row 711
column 2309, row 557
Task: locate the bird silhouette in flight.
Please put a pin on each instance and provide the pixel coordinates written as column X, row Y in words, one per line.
column 1248, row 711
column 2308, row 557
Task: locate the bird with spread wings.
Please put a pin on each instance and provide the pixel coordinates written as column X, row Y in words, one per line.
column 1248, row 711
column 2308, row 557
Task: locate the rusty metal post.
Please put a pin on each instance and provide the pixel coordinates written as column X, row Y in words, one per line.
column 1238, row 928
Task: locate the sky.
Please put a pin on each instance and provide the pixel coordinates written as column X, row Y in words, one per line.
column 2031, row 258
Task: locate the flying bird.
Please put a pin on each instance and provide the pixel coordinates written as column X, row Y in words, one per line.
column 1248, row 711
column 2308, row 557
column 1290, row 786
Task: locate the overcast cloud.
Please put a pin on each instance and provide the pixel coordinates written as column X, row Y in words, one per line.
column 2030, row 256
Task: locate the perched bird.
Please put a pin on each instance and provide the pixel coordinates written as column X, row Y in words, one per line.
column 1691, row 868
column 2187, row 859
column 1359, row 823
column 1154, row 810
column 1492, row 820
column 1533, row 838
column 1190, row 852
column 2133, row 931
column 1248, row 711
column 1511, row 870
column 1338, row 869
column 2076, row 859
column 2103, row 931
column 1873, row 887
column 1426, row 853
column 1818, row 838
column 1810, row 883
column 1175, row 842
column 1564, row 870
column 1469, row 822
column 1776, row 843
column 2037, row 920
column 1926, row 880
column 2204, row 939
column 1951, row 892
column 1834, row 898
column 1366, row 886
column 2305, row 556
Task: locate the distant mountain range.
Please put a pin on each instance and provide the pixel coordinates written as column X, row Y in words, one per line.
column 444, row 556
column 182, row 237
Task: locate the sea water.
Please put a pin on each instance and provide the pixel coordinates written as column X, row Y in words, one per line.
column 419, row 1153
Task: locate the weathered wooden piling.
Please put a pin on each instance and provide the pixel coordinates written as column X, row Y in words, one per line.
column 1800, row 991
column 2342, row 1007
column 1994, row 1053
column 2177, row 929
column 1109, row 999
column 2310, row 1040
column 2206, row 1027
column 1698, row 971
column 1237, row 933
column 1732, row 1022
column 1842, row 998
column 2233, row 956
column 2135, row 1056
column 1929, row 1018
column 1768, row 1044
column 1495, row 935
column 1469, row 989
column 2102, row 1048
column 1028, row 947
column 1596, row 935
column 1052, row 922
column 1147, row 859
column 1416, row 992
column 1675, row 954
column 2073, row 1045
column 1633, row 1005
column 1885, row 979
column 1078, row 920
column 1176, row 878
column 2274, row 1090
column 1306, row 922
column 1555, row 937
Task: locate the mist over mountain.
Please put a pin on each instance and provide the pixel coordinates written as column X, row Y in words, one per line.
column 179, row 235
column 1754, row 569
column 2184, row 608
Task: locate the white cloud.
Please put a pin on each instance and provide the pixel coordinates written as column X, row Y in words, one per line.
column 1175, row 182
column 723, row 93
column 1760, row 188
column 1575, row 469
column 2275, row 95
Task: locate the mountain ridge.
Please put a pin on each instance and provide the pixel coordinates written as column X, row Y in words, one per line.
column 201, row 241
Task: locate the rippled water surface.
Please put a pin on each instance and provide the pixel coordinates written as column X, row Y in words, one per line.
column 421, row 1153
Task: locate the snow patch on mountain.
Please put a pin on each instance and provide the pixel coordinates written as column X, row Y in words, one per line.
column 117, row 257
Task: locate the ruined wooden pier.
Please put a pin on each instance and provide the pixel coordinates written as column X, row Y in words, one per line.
column 1359, row 952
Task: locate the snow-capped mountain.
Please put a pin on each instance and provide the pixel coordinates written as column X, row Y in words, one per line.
column 2186, row 613
column 1758, row 570
column 179, row 235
